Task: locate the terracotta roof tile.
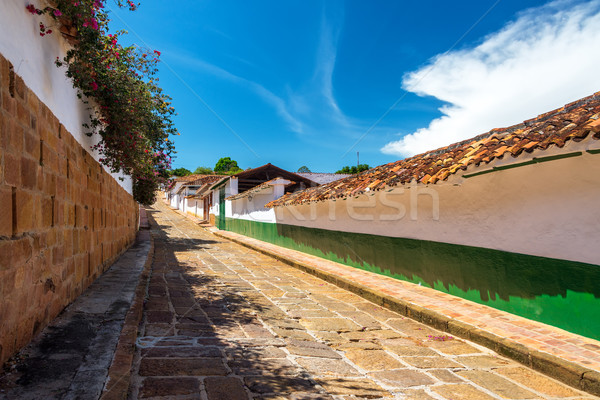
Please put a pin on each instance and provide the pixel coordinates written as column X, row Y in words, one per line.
column 259, row 188
column 575, row 121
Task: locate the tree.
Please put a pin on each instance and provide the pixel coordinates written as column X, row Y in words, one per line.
column 303, row 168
column 203, row 171
column 354, row 169
column 226, row 166
column 180, row 172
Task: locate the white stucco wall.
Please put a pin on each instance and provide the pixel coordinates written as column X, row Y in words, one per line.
column 174, row 200
column 548, row 209
column 253, row 209
column 193, row 206
column 33, row 59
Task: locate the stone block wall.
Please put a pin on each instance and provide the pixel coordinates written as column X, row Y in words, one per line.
column 63, row 218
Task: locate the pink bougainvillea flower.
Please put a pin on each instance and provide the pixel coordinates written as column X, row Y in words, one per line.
column 57, row 13
column 94, row 85
column 31, row 8
column 157, row 52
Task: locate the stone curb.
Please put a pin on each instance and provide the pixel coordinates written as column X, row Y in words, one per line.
column 119, row 373
column 568, row 372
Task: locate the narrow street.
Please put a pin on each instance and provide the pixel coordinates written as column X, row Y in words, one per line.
column 225, row 322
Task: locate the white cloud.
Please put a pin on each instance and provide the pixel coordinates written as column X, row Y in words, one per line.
column 544, row 59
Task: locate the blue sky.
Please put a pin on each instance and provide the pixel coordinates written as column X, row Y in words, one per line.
column 312, row 82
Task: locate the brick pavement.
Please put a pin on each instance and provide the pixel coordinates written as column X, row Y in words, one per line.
column 225, row 322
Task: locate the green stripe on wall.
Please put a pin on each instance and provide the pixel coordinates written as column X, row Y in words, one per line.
column 556, row 292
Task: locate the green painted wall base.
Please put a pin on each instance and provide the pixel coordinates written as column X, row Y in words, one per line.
column 556, row 292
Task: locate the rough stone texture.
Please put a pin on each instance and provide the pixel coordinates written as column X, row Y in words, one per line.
column 169, row 387
column 461, row 392
column 403, row 378
column 235, row 295
column 225, row 388
column 63, row 219
column 537, row 382
column 497, row 384
column 327, row 367
column 432, row 362
column 373, row 360
column 70, row 359
column 361, row 388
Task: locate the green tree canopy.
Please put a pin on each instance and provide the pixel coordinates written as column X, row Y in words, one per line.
column 180, row 172
column 203, row 171
column 226, row 166
column 303, row 168
column 353, row 169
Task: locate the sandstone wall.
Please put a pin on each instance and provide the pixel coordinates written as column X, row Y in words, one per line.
column 63, row 219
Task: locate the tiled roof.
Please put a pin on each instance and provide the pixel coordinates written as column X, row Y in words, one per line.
column 322, row 178
column 575, row 121
column 204, row 179
column 265, row 172
column 260, row 187
column 197, row 180
column 187, row 178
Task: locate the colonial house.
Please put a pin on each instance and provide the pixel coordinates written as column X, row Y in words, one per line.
column 509, row 218
column 172, row 194
column 246, row 193
column 193, row 201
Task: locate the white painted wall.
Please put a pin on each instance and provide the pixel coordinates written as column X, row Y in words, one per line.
column 548, row 209
column 33, row 59
column 214, row 208
column 174, row 200
column 252, row 208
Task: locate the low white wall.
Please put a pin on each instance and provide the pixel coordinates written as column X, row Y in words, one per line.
column 548, row 209
column 33, row 59
column 174, row 201
column 254, row 209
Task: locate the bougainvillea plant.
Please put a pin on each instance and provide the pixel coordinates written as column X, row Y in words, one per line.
column 128, row 109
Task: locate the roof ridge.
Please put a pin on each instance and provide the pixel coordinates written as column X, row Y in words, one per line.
column 574, row 121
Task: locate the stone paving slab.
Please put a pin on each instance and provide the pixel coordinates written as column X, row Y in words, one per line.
column 247, row 328
column 571, row 358
column 70, row 358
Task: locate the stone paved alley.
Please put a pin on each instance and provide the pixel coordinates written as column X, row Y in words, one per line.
column 225, row 322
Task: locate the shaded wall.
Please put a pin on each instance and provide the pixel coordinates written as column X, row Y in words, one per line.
column 63, row 218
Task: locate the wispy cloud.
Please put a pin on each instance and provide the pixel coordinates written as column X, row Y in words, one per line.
column 306, row 107
column 325, row 66
column 545, row 58
column 266, row 95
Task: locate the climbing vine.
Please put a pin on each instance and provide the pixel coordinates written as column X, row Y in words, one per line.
column 129, row 110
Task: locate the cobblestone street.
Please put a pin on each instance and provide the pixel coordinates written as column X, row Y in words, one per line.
column 225, row 322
